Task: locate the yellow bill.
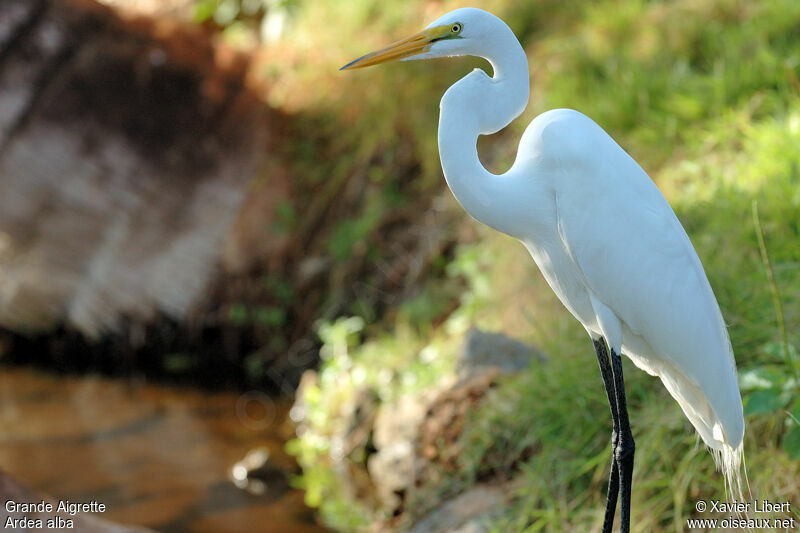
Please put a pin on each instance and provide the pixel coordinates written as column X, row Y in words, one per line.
column 416, row 44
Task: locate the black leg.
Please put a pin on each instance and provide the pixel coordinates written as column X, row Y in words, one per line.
column 613, row 480
column 625, row 448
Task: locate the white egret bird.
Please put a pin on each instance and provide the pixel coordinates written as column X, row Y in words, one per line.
column 603, row 236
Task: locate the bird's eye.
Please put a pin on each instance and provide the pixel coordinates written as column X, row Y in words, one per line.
column 456, row 28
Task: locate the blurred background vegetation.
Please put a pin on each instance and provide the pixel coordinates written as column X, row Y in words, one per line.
column 705, row 96
column 385, row 274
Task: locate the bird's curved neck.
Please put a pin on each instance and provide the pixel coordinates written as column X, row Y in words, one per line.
column 476, row 105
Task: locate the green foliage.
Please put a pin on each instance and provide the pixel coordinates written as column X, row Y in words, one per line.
column 260, row 315
column 280, row 289
column 706, row 96
column 224, row 13
column 237, row 314
column 394, row 364
column 770, row 390
column 286, row 218
column 347, row 233
column 433, row 302
column 245, row 22
column 179, row 363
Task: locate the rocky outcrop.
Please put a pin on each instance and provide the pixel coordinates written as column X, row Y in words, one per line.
column 469, row 512
column 414, row 433
column 414, row 442
column 392, row 468
column 125, row 150
column 437, row 437
column 484, row 350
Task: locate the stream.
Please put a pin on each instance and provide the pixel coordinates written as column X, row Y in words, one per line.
column 156, row 456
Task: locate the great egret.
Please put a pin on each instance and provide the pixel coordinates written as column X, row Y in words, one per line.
column 603, row 236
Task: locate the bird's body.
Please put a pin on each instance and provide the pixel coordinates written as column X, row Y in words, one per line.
column 600, row 231
column 608, row 244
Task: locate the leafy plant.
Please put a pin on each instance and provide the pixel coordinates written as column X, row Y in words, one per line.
column 705, row 95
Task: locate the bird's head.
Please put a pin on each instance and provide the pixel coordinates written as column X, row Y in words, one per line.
column 460, row 32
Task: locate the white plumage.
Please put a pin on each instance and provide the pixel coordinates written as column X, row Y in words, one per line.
column 599, row 229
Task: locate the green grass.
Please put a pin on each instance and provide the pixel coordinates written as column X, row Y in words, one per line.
column 706, row 97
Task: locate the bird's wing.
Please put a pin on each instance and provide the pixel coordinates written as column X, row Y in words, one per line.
column 637, row 260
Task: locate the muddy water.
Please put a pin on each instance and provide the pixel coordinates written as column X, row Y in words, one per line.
column 156, row 456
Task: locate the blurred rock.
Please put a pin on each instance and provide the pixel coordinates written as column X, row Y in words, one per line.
column 299, row 411
column 413, row 433
column 355, row 422
column 417, row 439
column 399, row 420
column 410, row 444
column 468, row 512
column 392, row 472
column 125, row 151
column 155, row 209
column 361, row 421
column 259, row 475
column 444, row 420
column 311, row 269
column 395, row 432
column 483, row 350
